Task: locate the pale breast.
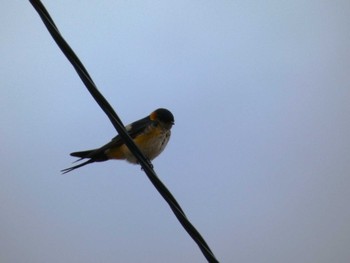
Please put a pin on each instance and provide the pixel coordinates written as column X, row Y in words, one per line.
column 152, row 147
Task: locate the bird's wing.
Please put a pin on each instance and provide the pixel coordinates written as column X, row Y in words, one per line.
column 133, row 129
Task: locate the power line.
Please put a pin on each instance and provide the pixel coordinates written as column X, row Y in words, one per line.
column 118, row 125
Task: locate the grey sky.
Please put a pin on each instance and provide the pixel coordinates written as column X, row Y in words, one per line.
column 259, row 156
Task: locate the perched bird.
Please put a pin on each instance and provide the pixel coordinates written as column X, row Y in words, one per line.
column 151, row 134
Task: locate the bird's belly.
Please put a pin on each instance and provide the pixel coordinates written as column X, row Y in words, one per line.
column 151, row 147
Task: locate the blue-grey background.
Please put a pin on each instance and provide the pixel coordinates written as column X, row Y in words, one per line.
column 259, row 156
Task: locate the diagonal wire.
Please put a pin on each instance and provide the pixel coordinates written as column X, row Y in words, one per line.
column 118, row 125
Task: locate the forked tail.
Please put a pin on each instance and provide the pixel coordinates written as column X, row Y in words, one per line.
column 95, row 155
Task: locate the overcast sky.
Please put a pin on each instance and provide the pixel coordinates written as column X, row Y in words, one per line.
column 259, row 155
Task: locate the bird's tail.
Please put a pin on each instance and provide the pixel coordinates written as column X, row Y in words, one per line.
column 95, row 155
column 83, row 154
column 67, row 170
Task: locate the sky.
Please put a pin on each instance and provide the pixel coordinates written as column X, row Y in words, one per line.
column 259, row 154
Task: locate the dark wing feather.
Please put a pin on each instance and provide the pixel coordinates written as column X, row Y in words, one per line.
column 133, row 130
column 98, row 155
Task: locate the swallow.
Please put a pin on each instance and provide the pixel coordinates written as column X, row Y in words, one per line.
column 151, row 134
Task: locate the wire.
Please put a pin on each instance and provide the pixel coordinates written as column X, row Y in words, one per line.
column 118, row 125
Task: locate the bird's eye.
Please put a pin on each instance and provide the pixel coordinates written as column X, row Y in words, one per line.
column 155, row 123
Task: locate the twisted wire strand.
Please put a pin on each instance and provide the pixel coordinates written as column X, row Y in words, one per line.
column 118, row 125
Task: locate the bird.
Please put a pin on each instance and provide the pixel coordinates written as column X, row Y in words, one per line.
column 151, row 134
